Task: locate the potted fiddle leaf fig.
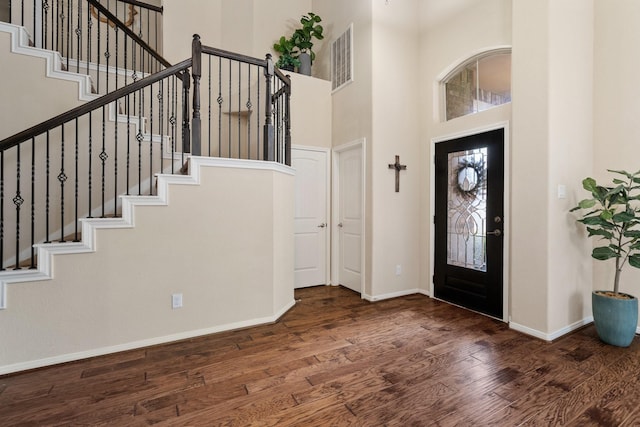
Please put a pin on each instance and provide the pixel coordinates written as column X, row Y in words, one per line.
column 612, row 214
column 302, row 38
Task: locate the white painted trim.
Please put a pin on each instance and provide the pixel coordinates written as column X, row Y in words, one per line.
column 335, row 249
column 20, row 45
column 327, row 215
column 393, row 295
column 33, row 364
column 507, row 204
column 554, row 335
column 46, row 251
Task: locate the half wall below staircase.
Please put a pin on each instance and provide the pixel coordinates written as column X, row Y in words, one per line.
column 222, row 237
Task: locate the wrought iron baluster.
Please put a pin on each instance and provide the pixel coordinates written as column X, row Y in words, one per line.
column 173, row 119
column 220, row 101
column 90, row 171
column 115, row 157
column 2, row 210
column 77, row 181
column 239, row 109
column 151, row 139
column 107, row 54
column 45, row 13
column 161, row 131
column 79, row 37
column 258, row 118
column 139, row 138
column 229, row 109
column 103, row 157
column 89, row 32
column 249, row 106
column 209, row 106
column 98, row 50
column 68, row 32
column 128, row 140
column 62, row 177
column 17, row 201
column 47, row 201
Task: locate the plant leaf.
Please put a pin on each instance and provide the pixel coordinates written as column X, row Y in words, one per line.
column 587, row 203
column 634, row 234
column 623, row 217
column 589, row 184
column 596, row 221
column 634, row 260
column 600, row 232
column 625, row 173
column 603, row 253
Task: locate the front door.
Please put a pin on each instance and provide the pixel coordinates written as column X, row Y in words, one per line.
column 469, row 232
column 310, row 216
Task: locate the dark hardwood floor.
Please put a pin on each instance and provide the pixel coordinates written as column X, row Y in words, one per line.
column 337, row 360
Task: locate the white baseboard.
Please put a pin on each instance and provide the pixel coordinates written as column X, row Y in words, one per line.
column 553, row 335
column 64, row 358
column 374, row 298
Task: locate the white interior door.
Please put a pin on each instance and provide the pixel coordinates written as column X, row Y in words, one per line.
column 350, row 207
column 310, row 218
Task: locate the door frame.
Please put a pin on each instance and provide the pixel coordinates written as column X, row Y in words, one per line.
column 335, row 213
column 327, row 243
column 507, row 211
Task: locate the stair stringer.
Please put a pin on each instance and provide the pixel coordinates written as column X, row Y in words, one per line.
column 46, row 251
column 54, row 69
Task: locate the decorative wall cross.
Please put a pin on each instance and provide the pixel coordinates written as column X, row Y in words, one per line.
column 398, row 167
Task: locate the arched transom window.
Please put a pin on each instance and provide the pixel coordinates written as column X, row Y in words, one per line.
column 481, row 83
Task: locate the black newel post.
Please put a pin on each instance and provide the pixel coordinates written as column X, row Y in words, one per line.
column 287, row 125
column 186, row 132
column 196, row 129
column 269, row 136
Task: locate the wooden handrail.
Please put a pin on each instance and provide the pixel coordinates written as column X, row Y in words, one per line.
column 81, row 110
column 159, row 9
column 103, row 10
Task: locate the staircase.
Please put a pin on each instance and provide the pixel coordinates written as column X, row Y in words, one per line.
column 70, row 185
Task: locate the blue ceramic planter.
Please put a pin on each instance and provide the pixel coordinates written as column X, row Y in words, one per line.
column 616, row 319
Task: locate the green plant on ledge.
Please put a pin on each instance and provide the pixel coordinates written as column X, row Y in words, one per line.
column 614, row 216
column 288, row 59
column 310, row 28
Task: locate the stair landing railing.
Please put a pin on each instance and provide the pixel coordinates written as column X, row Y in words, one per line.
column 115, row 42
column 76, row 165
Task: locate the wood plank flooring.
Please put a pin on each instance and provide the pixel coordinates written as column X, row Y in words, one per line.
column 336, row 360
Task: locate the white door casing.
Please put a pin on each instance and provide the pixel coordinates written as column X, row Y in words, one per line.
column 310, row 216
column 348, row 208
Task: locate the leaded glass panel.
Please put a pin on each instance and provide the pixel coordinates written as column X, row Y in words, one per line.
column 467, row 209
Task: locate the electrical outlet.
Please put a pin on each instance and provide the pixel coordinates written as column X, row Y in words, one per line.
column 398, row 270
column 176, row 300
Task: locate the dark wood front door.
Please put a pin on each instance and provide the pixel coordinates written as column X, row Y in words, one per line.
column 469, row 232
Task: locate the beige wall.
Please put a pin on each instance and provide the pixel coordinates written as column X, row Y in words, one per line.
column 395, row 131
column 310, row 111
column 616, row 109
column 571, row 32
column 22, row 84
column 352, row 106
column 452, row 32
column 250, row 27
column 552, row 146
column 234, row 267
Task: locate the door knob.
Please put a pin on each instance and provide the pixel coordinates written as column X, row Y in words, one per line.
column 323, row 225
column 340, row 225
column 497, row 233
